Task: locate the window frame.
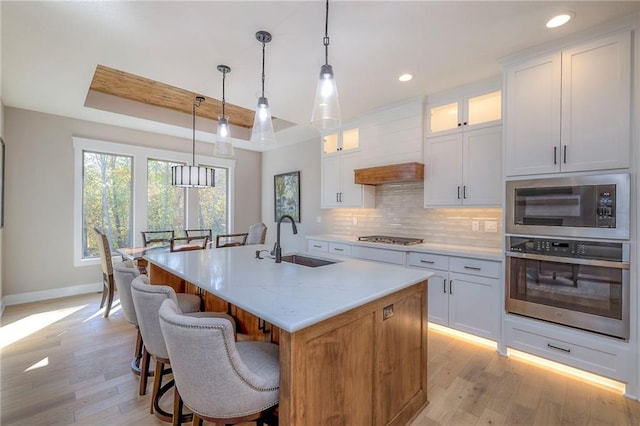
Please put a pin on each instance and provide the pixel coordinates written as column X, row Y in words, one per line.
column 140, row 155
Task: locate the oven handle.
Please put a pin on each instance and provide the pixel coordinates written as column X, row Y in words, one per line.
column 570, row 260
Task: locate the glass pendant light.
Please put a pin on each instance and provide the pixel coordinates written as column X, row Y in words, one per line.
column 262, row 132
column 193, row 176
column 326, row 107
column 223, row 146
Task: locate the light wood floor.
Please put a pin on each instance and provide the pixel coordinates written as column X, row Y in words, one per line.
column 73, row 368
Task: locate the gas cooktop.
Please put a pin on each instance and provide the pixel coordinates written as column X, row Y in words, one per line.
column 391, row 240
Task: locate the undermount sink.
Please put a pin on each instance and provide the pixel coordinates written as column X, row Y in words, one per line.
column 312, row 262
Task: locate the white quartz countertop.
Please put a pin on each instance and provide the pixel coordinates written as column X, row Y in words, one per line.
column 287, row 295
column 486, row 253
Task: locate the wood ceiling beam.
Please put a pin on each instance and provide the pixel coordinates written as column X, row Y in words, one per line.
column 140, row 89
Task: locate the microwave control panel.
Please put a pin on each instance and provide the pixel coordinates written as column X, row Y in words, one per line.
column 606, row 206
column 566, row 248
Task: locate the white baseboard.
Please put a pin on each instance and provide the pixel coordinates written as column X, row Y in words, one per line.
column 37, row 296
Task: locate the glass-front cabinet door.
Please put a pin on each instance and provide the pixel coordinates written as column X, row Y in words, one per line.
column 470, row 106
column 343, row 140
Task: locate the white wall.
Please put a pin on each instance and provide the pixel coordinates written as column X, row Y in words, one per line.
column 38, row 234
column 304, row 157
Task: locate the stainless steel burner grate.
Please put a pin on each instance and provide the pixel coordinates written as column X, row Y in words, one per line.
column 391, row 240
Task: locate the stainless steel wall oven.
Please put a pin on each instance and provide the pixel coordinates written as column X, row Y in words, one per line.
column 594, row 206
column 582, row 284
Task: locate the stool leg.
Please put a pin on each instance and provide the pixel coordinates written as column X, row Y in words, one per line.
column 177, row 407
column 144, row 371
column 157, row 382
column 197, row 421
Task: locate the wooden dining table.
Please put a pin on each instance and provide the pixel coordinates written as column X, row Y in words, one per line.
column 137, row 254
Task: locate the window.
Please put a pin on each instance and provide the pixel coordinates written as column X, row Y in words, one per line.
column 125, row 189
column 212, row 204
column 106, row 200
column 165, row 203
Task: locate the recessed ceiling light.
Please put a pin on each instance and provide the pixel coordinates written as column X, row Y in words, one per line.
column 405, row 77
column 560, row 19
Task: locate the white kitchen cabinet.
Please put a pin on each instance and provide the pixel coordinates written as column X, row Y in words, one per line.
column 317, row 245
column 340, row 248
column 464, row 168
column 464, row 293
column 570, row 111
column 337, row 186
column 341, row 140
column 379, row 255
column 472, row 106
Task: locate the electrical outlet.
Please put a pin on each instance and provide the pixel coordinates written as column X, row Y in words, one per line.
column 490, row 226
column 318, row 219
column 387, row 312
column 475, row 225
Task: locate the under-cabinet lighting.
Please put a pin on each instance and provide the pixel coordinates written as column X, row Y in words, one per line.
column 405, row 77
column 568, row 371
column 462, row 336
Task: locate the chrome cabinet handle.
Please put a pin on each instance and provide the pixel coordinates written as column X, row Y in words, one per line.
column 564, row 160
column 444, row 286
column 555, row 150
column 338, row 249
column 430, row 262
column 316, row 246
column 464, row 191
column 458, row 192
column 558, row 348
column 473, row 268
column 451, row 287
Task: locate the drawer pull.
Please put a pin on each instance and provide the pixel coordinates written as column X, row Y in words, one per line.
column 473, row 268
column 430, row 262
column 444, row 286
column 316, row 246
column 558, row 348
column 338, row 249
column 451, row 287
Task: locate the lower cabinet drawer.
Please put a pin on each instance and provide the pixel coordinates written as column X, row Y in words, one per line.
column 428, row 260
column 599, row 356
column 379, row 255
column 315, row 245
column 337, row 248
column 481, row 267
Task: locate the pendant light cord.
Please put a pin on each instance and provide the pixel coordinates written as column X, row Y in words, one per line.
column 197, row 103
column 263, row 44
column 325, row 40
column 224, row 75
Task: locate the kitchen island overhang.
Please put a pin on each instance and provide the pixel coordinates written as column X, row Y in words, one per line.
column 352, row 334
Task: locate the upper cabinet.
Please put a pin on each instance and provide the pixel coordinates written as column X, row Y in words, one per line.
column 342, row 140
column 338, row 188
column 570, row 110
column 472, row 106
column 463, row 148
column 464, row 169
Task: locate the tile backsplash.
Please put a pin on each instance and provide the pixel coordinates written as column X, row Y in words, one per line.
column 400, row 212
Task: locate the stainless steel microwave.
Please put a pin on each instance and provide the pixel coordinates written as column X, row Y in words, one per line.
column 594, row 206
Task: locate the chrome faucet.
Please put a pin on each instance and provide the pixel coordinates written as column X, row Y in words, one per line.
column 277, row 250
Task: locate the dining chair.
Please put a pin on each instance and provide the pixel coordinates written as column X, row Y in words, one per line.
column 156, row 238
column 231, row 240
column 198, row 233
column 147, row 300
column 106, row 262
column 188, row 243
column 223, row 381
column 257, row 233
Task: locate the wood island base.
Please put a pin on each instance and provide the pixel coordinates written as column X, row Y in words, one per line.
column 367, row 366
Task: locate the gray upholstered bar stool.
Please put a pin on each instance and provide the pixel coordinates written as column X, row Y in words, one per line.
column 124, row 273
column 147, row 300
column 222, row 381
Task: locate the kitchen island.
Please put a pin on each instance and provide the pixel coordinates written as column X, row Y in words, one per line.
column 352, row 334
